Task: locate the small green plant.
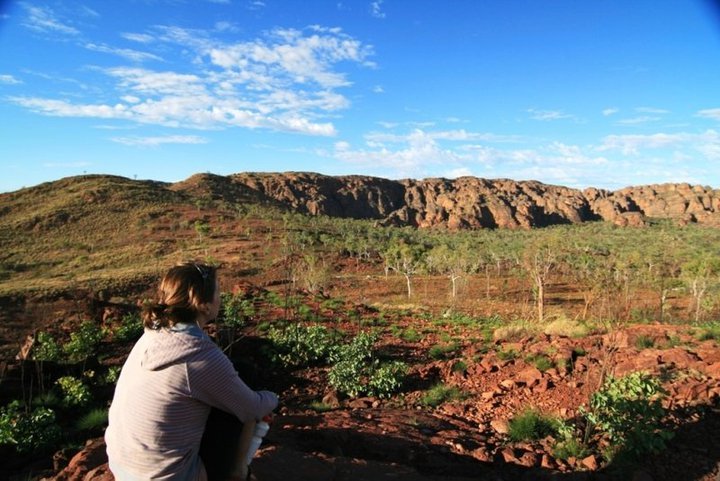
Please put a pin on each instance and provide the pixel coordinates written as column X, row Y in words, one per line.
column 46, row 348
column 355, row 370
column 410, row 335
column 644, row 342
column 540, row 361
column 708, row 331
column 27, row 431
column 130, row 328
column 459, row 367
column 236, row 310
column 75, row 393
column 298, row 345
column 387, row 378
column 320, row 407
column 440, row 393
column 443, row 351
column 94, row 420
column 628, row 411
column 530, row 425
column 111, row 376
column 83, row 343
column 508, row 355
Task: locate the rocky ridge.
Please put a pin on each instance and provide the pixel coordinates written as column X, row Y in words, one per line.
column 462, row 203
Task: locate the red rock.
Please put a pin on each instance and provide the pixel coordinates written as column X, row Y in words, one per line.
column 92, row 456
column 590, row 462
column 713, row 370
column 529, row 376
column 547, row 462
column 508, row 455
column 499, row 425
column 528, row 459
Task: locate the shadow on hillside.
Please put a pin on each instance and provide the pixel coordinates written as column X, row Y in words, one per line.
column 309, row 452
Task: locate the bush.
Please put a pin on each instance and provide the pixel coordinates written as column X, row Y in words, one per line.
column 355, row 371
column 28, row 430
column 75, row 393
column 439, row 394
column 236, row 310
column 84, row 342
column 298, row 345
column 46, row 349
column 94, row 420
column 130, row 328
column 628, row 411
column 530, row 425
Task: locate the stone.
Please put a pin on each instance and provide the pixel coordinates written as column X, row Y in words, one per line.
column 529, row 376
column 590, row 462
column 500, row 426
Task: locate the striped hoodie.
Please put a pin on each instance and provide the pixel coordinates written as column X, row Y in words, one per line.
column 166, row 389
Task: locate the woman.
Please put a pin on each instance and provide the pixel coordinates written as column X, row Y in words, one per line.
column 171, row 380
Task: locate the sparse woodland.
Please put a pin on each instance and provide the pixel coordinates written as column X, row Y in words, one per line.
column 428, row 353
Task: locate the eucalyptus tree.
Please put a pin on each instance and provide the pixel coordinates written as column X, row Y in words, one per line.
column 406, row 257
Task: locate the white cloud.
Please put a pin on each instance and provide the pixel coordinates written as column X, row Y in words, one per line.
column 134, row 55
column 156, row 141
column 610, row 111
column 376, row 9
column 138, row 37
column 287, row 81
column 707, row 143
column 378, row 89
column 710, row 114
column 9, row 79
column 43, row 19
column 547, row 115
column 651, row 110
column 638, row 120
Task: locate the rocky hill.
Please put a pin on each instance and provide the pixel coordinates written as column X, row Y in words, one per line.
column 466, row 202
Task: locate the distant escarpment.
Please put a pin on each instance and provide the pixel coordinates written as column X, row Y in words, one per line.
column 463, row 203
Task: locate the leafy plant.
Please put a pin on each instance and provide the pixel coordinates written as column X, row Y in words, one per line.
column 628, row 411
column 540, row 361
column 298, row 345
column 355, row 370
column 28, row 430
column 130, row 328
column 46, row 348
column 83, row 343
column 443, row 351
column 75, row 393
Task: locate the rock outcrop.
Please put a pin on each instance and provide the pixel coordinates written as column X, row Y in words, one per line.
column 463, row 203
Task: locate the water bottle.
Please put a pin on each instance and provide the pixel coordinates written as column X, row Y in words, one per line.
column 261, row 429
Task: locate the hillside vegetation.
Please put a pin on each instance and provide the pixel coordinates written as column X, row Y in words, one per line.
column 493, row 350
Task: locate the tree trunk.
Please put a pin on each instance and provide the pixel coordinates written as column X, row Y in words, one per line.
column 409, row 286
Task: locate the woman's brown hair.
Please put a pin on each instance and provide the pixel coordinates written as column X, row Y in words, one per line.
column 185, row 288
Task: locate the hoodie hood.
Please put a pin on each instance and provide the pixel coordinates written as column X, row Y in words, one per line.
column 165, row 347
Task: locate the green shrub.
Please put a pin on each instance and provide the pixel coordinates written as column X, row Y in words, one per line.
column 439, row 394
column 355, row 371
column 410, row 335
column 708, row 331
column 540, row 361
column 443, row 351
column 508, row 355
column 45, row 348
column 28, row 430
column 236, row 310
column 75, row 393
column 530, row 425
column 298, row 345
column 83, row 343
column 628, row 411
column 569, row 448
column 387, row 378
column 644, row 342
column 130, row 328
column 94, row 420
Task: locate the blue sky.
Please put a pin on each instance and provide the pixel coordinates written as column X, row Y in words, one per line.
column 578, row 93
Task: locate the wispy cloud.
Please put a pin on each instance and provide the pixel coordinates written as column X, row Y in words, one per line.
column 138, row 37
column 9, row 80
column 651, row 110
column 376, row 9
column 707, row 143
column 287, row 81
column 548, row 115
column 134, row 55
column 638, row 120
column 710, row 114
column 43, row 19
column 157, row 141
column 610, row 111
